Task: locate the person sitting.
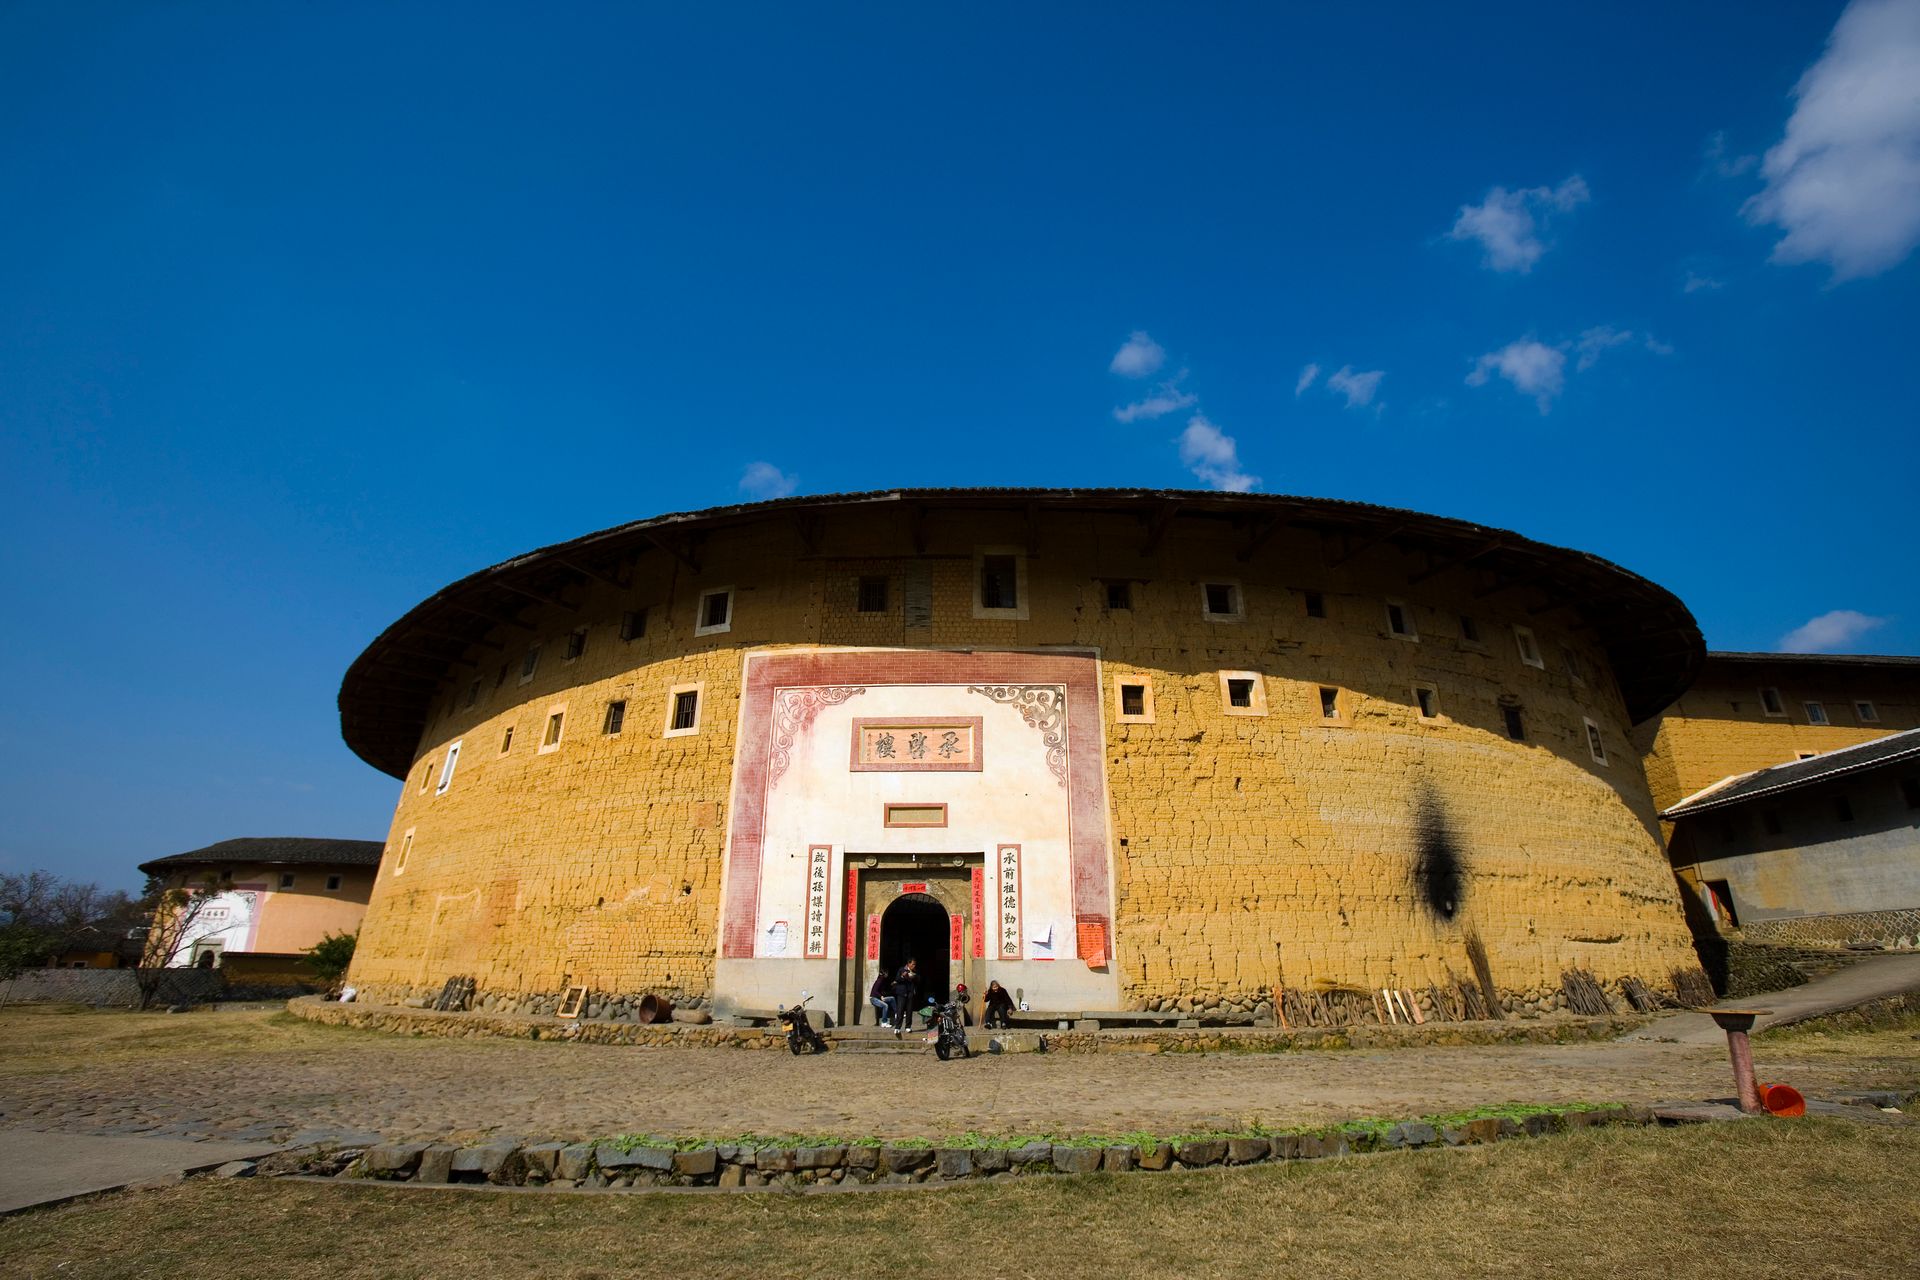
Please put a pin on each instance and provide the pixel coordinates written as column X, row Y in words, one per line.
column 880, row 996
column 999, row 1006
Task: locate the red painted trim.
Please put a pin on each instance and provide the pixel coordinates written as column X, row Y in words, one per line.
column 912, row 886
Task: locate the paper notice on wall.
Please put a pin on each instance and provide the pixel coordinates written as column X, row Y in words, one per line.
column 777, row 938
column 1042, row 941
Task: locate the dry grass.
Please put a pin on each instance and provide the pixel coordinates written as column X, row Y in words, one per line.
column 37, row 1039
column 1887, row 1029
column 1764, row 1200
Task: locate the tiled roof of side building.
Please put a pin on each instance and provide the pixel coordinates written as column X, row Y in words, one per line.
column 1818, row 659
column 1743, row 787
column 309, row 850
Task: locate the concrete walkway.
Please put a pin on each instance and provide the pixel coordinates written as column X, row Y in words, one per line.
column 1869, row 980
column 46, row 1168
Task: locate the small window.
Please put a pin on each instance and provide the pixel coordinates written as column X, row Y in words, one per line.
column 1528, row 647
column 1866, row 713
column 1400, row 621
column 1842, row 809
column 1770, row 821
column 1595, row 747
column 616, row 717
column 716, row 612
column 286, row 879
column 502, row 677
column 1576, row 667
column 1240, row 693
column 999, row 582
column 1329, row 703
column 1469, row 629
column 873, row 595
column 556, row 729
column 1516, row 723
column 1133, row 700
column 1243, row 693
column 1119, row 593
column 576, row 643
column 1804, row 755
column 633, row 624
column 1220, row 600
column 506, row 740
column 530, row 663
column 1316, row 604
column 1428, row 700
column 473, row 693
column 333, row 884
column 1771, row 703
column 686, row 711
column 1816, row 712
column 406, row 847
column 426, row 776
column 446, row 770
column 1910, row 792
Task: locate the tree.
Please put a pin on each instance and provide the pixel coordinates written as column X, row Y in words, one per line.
column 175, row 912
column 331, row 955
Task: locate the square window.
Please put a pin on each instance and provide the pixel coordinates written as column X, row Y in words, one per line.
column 1133, row 700
column 1240, row 693
column 1771, row 703
column 333, row 884
column 1428, row 700
column 506, row 740
column 1243, row 693
column 716, row 612
column 873, row 595
column 446, row 770
column 1516, row 723
column 1329, row 703
column 633, row 624
column 999, row 582
column 1316, row 604
column 530, row 663
column 1816, row 713
column 556, row 729
column 1866, row 713
column 1469, row 630
column 1119, row 593
column 686, row 711
column 286, row 879
column 1220, row 600
column 1842, row 809
column 1528, row 647
column 576, row 643
column 1400, row 621
column 1595, row 747
column 616, row 717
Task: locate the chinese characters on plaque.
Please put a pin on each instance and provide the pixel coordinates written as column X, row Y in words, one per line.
column 819, row 867
column 894, row 745
column 1008, row 859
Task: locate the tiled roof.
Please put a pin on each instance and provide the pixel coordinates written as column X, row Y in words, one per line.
column 309, row 850
column 1743, row 787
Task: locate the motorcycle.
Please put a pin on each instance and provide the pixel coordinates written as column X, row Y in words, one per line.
column 801, row 1037
column 948, row 1033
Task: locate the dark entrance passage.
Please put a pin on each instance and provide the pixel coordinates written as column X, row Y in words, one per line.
column 915, row 928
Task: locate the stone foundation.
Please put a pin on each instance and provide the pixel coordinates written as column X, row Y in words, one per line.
column 1897, row 929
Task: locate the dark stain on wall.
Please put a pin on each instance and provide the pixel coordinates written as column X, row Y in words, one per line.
column 1439, row 874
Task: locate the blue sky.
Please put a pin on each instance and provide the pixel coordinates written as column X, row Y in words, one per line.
column 306, row 311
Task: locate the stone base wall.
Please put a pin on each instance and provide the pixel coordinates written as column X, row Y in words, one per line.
column 1880, row 928
column 110, row 988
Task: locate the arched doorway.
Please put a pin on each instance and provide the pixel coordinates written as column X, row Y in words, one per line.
column 915, row 927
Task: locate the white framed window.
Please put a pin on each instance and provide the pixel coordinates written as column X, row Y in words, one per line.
column 1816, row 713
column 530, row 663
column 715, row 612
column 406, row 847
column 446, row 770
column 1595, row 746
column 1772, row 703
column 1866, row 712
column 1243, row 693
column 1426, row 700
column 556, row 729
column 576, row 643
column 1000, row 583
column 1528, row 647
column 1222, row 602
column 1400, row 624
column 506, row 740
column 1132, row 700
column 683, row 709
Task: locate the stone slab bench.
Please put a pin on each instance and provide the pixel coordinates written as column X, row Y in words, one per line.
column 1108, row 1019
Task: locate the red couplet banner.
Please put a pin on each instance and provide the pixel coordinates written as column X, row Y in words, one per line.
column 979, row 913
column 873, row 936
column 957, row 951
column 853, row 912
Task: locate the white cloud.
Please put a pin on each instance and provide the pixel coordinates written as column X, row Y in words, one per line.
column 1596, row 340
column 1504, row 222
column 1830, row 632
column 1696, row 282
column 1844, row 182
column 764, row 480
column 1307, row 375
column 1656, row 346
column 1138, row 356
column 1722, row 162
column 1165, row 399
column 1533, row 367
column 1212, row 455
column 1357, row 387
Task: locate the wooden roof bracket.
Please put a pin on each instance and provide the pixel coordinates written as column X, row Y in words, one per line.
column 1392, row 532
column 688, row 555
column 1158, row 524
column 553, row 601
column 499, row 619
column 1262, row 534
column 1435, row 568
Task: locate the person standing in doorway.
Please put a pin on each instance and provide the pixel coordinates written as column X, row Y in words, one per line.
column 880, row 996
column 906, row 985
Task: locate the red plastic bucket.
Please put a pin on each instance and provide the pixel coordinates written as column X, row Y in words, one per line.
column 1781, row 1100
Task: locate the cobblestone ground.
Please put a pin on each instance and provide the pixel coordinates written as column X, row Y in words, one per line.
column 322, row 1081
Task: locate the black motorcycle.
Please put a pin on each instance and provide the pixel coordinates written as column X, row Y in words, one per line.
column 948, row 1032
column 801, row 1037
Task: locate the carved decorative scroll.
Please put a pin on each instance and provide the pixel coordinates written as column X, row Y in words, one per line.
column 793, row 711
column 1043, row 707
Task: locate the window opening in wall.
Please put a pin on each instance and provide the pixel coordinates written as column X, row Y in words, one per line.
column 1595, row 747
column 506, row 740
column 446, row 770
column 1316, row 604
column 426, row 775
column 1516, row 723
column 1469, row 630
column 1133, row 700
column 286, row 880
column 1771, row 703
column 1804, row 755
column 1842, row 809
column 1770, row 821
column 1910, row 792
column 616, row 717
column 1329, row 703
column 1528, row 647
column 1119, row 594
column 633, row 624
column 1239, row 692
column 686, row 708
column 530, row 663
column 1866, row 713
column 501, row 678
column 1428, row 700
column 716, row 612
column 1400, row 621
column 576, row 643
column 473, row 692
column 999, row 582
column 333, row 883
column 1816, row 713
column 406, row 847
column 1222, row 599
column 556, row 724
column 873, row 595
